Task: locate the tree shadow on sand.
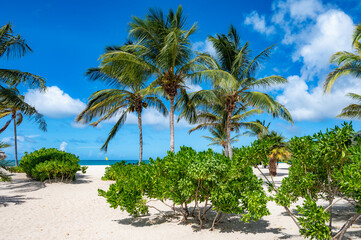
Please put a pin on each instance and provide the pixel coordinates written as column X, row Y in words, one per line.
column 17, row 200
column 229, row 224
column 81, row 178
column 21, row 185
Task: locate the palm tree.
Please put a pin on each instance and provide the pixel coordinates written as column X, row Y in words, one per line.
column 233, row 74
column 163, row 50
column 219, row 136
column 278, row 150
column 12, row 104
column 13, row 46
column 258, row 131
column 349, row 63
column 214, row 116
column 352, row 110
column 108, row 103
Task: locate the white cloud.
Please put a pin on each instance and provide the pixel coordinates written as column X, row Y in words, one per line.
column 331, row 33
column 316, row 31
column 297, row 10
column 259, row 23
column 62, row 146
column 310, row 104
column 54, row 102
column 205, row 46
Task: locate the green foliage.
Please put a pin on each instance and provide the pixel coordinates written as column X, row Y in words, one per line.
column 113, row 170
column 17, row 169
column 313, row 220
column 51, row 164
column 324, row 166
column 189, row 176
column 128, row 191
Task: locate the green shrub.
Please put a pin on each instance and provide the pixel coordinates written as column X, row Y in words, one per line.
column 51, row 164
column 187, row 177
column 324, row 166
column 17, row 169
column 113, row 170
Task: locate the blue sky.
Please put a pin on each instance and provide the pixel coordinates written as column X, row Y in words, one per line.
column 69, row 36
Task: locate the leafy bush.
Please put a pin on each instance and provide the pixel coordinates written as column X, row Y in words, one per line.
column 51, row 164
column 324, row 166
column 113, row 170
column 17, row 169
column 187, row 177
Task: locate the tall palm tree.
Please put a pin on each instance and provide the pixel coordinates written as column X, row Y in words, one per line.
column 13, row 46
column 258, row 131
column 12, row 104
column 164, row 51
column 233, row 74
column 214, row 116
column 219, row 136
column 108, row 103
column 277, row 152
column 349, row 63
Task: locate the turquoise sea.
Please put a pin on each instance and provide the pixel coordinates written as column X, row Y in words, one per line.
column 107, row 162
column 97, row 162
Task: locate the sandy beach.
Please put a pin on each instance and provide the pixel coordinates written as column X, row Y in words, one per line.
column 35, row 210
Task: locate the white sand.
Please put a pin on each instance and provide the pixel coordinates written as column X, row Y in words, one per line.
column 33, row 210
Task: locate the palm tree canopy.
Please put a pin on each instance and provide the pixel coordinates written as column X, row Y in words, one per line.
column 14, row 46
column 348, row 63
column 353, row 110
column 257, row 131
column 128, row 96
column 11, row 102
column 161, row 47
column 233, row 74
column 219, row 136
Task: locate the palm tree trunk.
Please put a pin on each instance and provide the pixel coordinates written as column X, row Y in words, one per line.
column 15, row 139
column 171, row 121
column 140, row 137
column 228, row 134
column 272, row 166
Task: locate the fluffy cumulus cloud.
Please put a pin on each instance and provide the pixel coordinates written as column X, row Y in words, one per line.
column 54, row 102
column 307, row 103
column 332, row 32
column 259, row 23
column 315, row 31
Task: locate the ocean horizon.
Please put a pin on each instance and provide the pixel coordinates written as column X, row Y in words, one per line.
column 97, row 162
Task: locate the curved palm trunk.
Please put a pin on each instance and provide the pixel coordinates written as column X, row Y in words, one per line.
column 171, row 122
column 15, row 139
column 272, row 166
column 140, row 137
column 5, row 126
column 228, row 135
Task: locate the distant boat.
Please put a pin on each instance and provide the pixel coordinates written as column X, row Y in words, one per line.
column 106, row 159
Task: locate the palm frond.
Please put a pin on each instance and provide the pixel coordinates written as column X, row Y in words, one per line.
column 114, row 130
